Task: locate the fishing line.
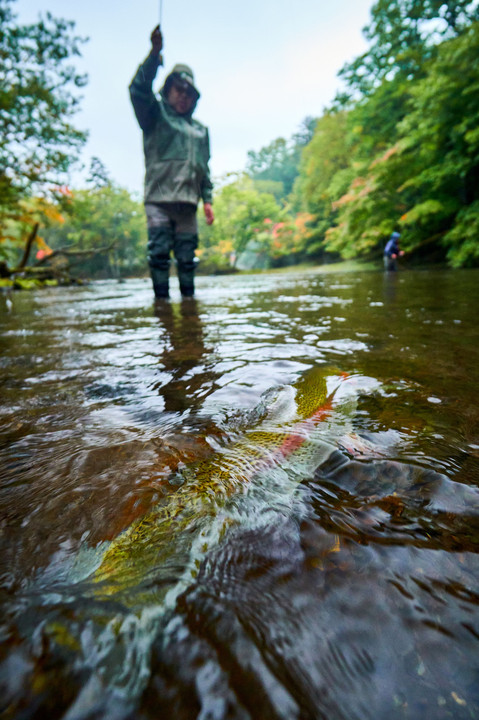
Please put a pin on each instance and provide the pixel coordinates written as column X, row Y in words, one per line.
column 159, row 26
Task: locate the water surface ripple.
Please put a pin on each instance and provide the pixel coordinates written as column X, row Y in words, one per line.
column 262, row 503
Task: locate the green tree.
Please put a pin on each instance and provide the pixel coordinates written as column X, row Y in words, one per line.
column 107, row 222
column 98, row 175
column 240, row 214
column 325, row 173
column 403, row 35
column 38, row 97
column 279, row 161
column 240, row 211
column 439, row 158
column 427, row 181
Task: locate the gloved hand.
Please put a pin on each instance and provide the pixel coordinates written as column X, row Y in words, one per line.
column 156, row 41
column 208, row 213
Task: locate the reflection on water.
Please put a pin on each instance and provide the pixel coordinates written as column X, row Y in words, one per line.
column 184, row 355
column 260, row 503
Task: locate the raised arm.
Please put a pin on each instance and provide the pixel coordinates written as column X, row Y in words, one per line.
column 141, row 91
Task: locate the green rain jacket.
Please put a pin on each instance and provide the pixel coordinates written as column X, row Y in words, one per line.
column 176, row 147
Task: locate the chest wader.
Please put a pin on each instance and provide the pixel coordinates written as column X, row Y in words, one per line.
column 390, row 263
column 162, row 240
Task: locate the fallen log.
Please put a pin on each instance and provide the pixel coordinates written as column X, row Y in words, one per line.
column 48, row 270
column 66, row 252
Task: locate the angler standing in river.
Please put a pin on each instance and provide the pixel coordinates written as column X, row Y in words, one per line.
column 177, row 153
column 392, row 252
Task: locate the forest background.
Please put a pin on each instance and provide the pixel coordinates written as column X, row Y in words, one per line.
column 398, row 149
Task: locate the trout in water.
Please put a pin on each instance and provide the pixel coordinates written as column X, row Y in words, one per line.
column 129, row 587
column 281, row 430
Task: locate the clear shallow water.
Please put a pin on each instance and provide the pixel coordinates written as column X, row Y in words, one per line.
column 338, row 579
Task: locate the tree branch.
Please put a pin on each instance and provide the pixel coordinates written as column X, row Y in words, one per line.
column 74, row 253
column 28, row 247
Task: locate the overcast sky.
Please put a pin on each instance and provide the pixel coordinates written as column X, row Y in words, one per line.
column 261, row 66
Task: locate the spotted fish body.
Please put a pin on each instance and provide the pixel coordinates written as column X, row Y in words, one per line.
column 252, row 482
column 283, row 423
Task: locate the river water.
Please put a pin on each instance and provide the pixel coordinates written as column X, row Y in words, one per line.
column 262, row 503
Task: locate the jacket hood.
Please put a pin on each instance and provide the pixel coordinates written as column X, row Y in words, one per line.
column 184, row 73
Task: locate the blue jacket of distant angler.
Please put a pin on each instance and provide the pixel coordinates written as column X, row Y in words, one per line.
column 176, row 147
column 392, row 245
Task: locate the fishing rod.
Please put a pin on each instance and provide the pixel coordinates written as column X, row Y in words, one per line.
column 160, row 18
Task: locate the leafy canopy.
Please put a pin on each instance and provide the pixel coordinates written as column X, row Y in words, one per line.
column 403, row 35
column 279, row 161
column 104, row 217
column 403, row 151
column 38, row 98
